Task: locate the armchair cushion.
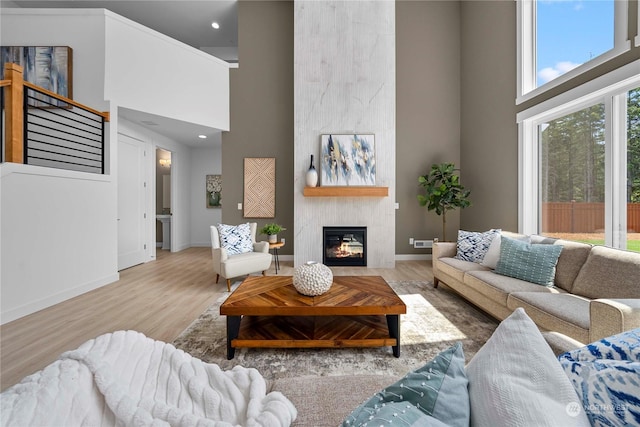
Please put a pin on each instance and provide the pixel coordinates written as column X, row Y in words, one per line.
column 236, row 239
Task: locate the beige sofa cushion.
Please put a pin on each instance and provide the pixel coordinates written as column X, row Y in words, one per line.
column 498, row 287
column 609, row 273
column 457, row 268
column 565, row 313
column 571, row 260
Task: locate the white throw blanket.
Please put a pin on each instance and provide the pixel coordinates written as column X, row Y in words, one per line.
column 127, row 379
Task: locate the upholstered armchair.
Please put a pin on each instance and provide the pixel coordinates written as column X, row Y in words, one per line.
column 236, row 252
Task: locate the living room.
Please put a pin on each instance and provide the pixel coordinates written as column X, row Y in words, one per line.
column 455, row 85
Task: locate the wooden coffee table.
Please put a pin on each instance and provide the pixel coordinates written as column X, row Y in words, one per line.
column 358, row 311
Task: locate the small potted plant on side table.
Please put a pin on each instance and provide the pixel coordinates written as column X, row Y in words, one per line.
column 272, row 230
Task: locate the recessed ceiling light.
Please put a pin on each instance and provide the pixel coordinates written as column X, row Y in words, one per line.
column 202, row 136
column 215, row 25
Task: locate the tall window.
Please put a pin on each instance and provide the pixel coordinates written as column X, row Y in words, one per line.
column 570, row 33
column 572, row 175
column 560, row 39
column 580, row 162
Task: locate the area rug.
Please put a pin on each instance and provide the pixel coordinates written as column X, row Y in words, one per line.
column 435, row 320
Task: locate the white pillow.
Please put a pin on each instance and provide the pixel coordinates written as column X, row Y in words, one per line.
column 492, row 256
column 515, row 380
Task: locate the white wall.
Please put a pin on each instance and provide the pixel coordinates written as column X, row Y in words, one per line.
column 204, row 161
column 344, row 82
column 83, row 31
column 57, row 236
column 58, row 229
column 148, row 71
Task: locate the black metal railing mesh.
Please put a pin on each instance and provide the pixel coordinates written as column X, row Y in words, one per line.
column 62, row 135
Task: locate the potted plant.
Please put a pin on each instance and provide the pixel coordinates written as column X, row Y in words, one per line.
column 272, row 230
column 443, row 191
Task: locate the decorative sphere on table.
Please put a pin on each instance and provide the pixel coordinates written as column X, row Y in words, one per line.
column 312, row 278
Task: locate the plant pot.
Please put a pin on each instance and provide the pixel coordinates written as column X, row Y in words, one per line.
column 272, row 238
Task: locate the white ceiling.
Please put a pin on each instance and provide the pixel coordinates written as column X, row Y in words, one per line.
column 184, row 20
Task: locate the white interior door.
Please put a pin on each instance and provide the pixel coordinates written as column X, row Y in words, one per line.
column 131, row 202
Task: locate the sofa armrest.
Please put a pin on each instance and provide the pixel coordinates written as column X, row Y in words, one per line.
column 441, row 250
column 444, row 249
column 613, row 316
column 261, row 247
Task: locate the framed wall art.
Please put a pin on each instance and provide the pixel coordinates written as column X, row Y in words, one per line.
column 214, row 191
column 347, row 159
column 49, row 67
column 260, row 187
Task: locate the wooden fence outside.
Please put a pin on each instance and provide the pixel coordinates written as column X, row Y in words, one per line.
column 568, row 217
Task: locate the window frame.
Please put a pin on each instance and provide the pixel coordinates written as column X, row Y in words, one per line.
column 610, row 89
column 526, row 57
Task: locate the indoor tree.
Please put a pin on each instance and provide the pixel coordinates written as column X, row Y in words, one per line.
column 443, row 191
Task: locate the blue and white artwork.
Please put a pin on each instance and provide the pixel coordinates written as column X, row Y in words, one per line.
column 46, row 66
column 347, row 160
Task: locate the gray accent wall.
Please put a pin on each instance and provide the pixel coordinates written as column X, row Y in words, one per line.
column 428, row 111
column 261, row 98
column 489, row 135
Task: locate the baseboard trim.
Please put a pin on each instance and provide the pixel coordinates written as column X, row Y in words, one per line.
column 413, row 257
column 41, row 304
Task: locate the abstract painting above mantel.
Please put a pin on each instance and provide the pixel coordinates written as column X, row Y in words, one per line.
column 49, row 67
column 347, row 159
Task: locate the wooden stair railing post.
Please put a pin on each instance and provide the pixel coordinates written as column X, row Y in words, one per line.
column 14, row 114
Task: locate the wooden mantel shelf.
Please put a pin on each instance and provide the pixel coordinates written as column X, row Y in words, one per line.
column 351, row 191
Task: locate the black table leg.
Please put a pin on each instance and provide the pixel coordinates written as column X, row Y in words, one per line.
column 393, row 322
column 233, row 328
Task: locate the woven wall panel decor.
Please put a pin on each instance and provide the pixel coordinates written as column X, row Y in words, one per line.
column 259, row 187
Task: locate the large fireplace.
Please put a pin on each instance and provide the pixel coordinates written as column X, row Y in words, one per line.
column 344, row 246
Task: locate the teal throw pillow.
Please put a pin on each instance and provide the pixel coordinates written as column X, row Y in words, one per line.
column 434, row 395
column 534, row 263
column 606, row 375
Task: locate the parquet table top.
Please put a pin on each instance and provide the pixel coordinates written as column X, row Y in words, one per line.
column 348, row 296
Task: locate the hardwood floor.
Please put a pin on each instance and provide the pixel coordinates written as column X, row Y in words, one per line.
column 159, row 299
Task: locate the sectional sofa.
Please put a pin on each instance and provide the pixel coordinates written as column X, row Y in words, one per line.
column 595, row 294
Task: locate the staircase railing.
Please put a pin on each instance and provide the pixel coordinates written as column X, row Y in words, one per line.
column 46, row 129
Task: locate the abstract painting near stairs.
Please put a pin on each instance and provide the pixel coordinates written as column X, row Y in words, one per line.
column 259, row 187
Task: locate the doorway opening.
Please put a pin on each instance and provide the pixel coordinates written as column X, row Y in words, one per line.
column 163, row 199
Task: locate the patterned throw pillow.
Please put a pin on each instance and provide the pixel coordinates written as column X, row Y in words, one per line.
column 236, row 239
column 472, row 246
column 606, row 375
column 534, row 263
column 428, row 396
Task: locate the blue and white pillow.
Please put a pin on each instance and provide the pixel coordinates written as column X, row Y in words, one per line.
column 606, row 376
column 236, row 239
column 472, row 246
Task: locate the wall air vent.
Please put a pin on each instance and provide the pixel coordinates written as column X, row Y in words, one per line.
column 422, row 244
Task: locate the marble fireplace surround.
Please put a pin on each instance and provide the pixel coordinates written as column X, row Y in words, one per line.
column 344, row 82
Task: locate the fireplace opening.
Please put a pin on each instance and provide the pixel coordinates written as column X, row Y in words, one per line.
column 344, row 246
